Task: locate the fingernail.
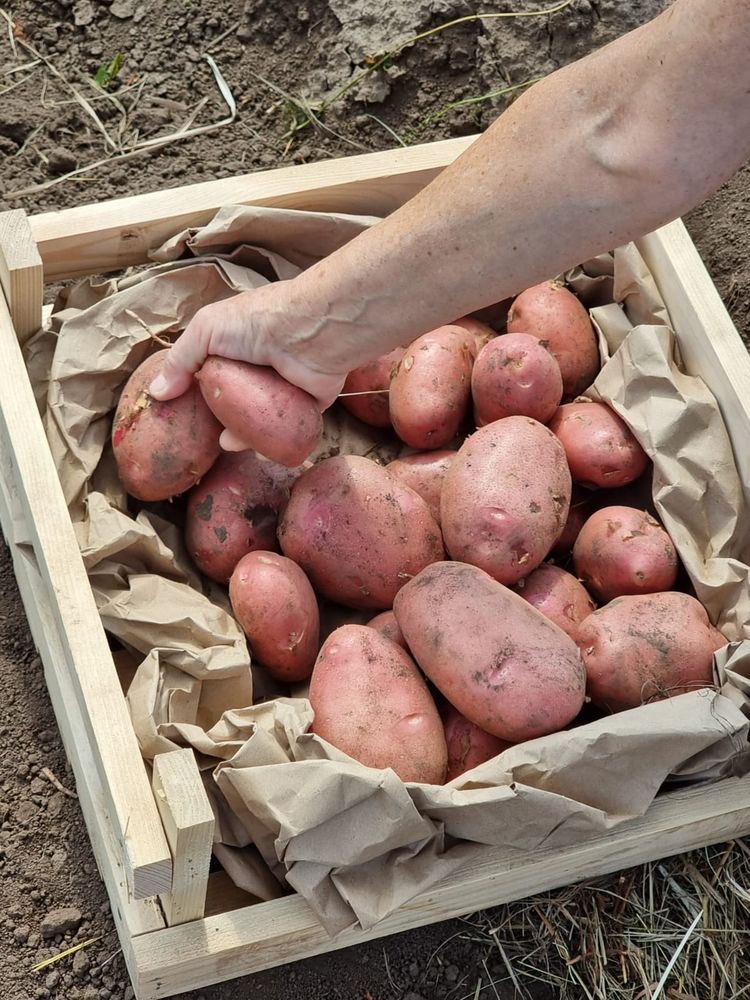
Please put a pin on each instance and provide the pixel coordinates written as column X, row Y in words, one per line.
column 158, row 385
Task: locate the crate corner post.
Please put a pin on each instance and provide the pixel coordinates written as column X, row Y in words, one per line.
column 21, row 273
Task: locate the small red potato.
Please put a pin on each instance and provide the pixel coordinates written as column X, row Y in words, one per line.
column 357, row 532
column 373, row 408
column 274, row 603
column 581, row 508
column 505, row 498
column 554, row 315
column 385, row 623
column 425, row 473
column 430, row 391
column 162, row 449
column 558, row 596
column 621, row 550
column 371, row 702
column 468, row 745
column 234, row 510
column 261, row 409
column 497, row 660
column 480, row 332
column 515, row 375
column 600, row 447
column 647, row 647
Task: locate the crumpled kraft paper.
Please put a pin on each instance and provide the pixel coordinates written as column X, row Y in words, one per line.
column 357, row 842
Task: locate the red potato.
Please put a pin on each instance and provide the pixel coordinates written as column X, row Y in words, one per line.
column 515, row 375
column 385, row 623
column 274, row 603
column 425, row 473
column 371, row 702
column 480, row 332
column 647, row 647
column 554, row 315
column 261, row 409
column 357, row 532
column 581, row 508
column 505, row 498
column 621, row 550
column 497, row 660
column 430, row 392
column 600, row 447
column 558, row 596
column 468, row 745
column 372, row 409
column 162, row 449
column 234, row 510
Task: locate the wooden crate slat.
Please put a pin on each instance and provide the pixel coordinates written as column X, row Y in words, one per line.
column 224, row 946
column 90, row 672
column 21, row 278
column 111, row 235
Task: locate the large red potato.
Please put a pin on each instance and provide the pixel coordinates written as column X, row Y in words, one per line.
column 357, row 532
column 430, row 391
column 515, row 375
column 261, row 409
column 371, row 702
column 554, row 315
column 162, row 449
column 622, row 550
column 506, row 497
column 558, row 596
column 234, row 510
column 468, row 745
column 647, row 647
column 374, row 380
column 600, row 447
column 425, row 473
column 496, row 659
column 274, row 603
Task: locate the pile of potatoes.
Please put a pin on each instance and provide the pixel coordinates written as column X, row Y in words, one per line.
column 503, row 584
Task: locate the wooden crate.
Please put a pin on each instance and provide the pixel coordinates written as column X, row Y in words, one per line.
column 180, row 928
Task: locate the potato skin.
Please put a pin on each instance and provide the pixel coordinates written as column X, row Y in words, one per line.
column 425, row 473
column 557, row 595
column 234, row 510
column 468, row 745
column 480, row 333
column 357, row 532
column 554, row 315
column 385, row 623
column 600, row 447
column 371, row 702
column 263, row 410
column 497, row 660
column 162, row 449
column 274, row 603
column 581, row 508
column 622, row 550
column 430, row 391
column 505, row 498
column 646, row 648
column 373, row 410
column 515, row 375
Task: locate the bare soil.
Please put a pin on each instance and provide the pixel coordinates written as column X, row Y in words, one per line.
column 308, row 49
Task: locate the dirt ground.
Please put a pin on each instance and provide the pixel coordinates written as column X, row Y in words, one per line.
column 309, row 49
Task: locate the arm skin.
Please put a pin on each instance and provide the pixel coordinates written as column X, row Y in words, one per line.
column 589, row 158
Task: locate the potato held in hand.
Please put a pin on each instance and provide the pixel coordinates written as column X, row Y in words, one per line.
column 274, row 603
column 496, row 659
column 162, row 449
column 647, row 647
column 261, row 409
column 357, row 532
column 371, row 702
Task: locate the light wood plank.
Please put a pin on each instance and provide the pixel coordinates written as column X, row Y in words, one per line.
column 111, row 235
column 709, row 342
column 258, row 937
column 90, row 671
column 21, row 275
column 189, row 824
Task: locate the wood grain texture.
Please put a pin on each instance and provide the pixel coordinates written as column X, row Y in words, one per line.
column 189, row 825
column 21, row 276
column 111, row 235
column 51, row 546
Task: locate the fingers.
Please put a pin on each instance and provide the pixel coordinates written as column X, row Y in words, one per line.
column 184, row 358
column 230, row 442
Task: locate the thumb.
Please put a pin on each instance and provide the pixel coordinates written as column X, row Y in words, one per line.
column 183, row 359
